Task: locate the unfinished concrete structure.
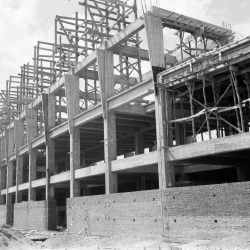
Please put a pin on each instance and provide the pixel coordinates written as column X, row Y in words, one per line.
column 85, row 119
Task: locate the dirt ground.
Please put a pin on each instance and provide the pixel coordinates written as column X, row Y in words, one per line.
column 13, row 239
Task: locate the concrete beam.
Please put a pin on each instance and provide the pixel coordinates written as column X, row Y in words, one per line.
column 132, row 94
column 136, row 161
column 205, row 148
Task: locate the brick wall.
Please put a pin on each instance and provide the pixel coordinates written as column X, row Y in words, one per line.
column 39, row 215
column 202, row 212
column 126, row 213
column 6, row 214
column 180, row 214
column 3, row 214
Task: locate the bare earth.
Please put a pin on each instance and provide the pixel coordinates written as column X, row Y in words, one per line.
column 13, row 239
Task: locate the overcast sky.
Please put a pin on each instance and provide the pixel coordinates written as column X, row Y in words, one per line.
column 24, row 22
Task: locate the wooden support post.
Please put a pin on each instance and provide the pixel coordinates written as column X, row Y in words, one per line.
column 183, row 139
column 234, row 81
column 19, row 141
column 139, row 143
column 190, row 87
column 105, row 64
column 72, row 98
column 247, row 82
column 31, row 130
column 162, row 102
column 49, row 105
column 216, row 112
column 205, row 105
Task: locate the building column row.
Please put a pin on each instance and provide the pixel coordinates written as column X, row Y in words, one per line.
column 105, row 64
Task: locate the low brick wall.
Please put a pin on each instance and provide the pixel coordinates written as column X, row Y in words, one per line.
column 38, row 215
column 127, row 214
column 203, row 212
column 180, row 214
column 6, row 214
column 3, row 214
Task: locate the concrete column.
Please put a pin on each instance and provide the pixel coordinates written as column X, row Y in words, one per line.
column 2, row 183
column 49, row 105
column 9, row 182
column 31, row 130
column 105, row 64
column 243, row 173
column 72, row 97
column 9, row 179
column 180, row 134
column 3, row 171
column 1, row 174
column 19, row 142
column 9, row 166
column 11, row 141
column 85, row 159
column 163, row 107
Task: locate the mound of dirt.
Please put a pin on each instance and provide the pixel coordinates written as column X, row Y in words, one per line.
column 11, row 239
column 239, row 241
column 65, row 241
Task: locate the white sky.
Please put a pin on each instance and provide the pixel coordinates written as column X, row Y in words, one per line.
column 24, row 22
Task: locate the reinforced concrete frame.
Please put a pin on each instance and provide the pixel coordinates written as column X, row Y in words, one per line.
column 57, row 135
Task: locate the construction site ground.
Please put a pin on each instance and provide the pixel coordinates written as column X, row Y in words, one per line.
column 16, row 239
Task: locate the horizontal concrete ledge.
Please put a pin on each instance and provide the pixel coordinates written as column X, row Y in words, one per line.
column 132, row 94
column 3, row 162
column 62, row 177
column 60, row 129
column 12, row 189
column 97, row 169
column 23, row 186
column 212, row 147
column 23, row 150
column 40, row 140
column 135, row 162
column 88, row 115
column 12, row 156
column 39, row 183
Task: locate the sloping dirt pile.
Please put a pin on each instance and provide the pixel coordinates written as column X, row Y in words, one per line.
column 11, row 239
column 236, row 241
column 65, row 241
